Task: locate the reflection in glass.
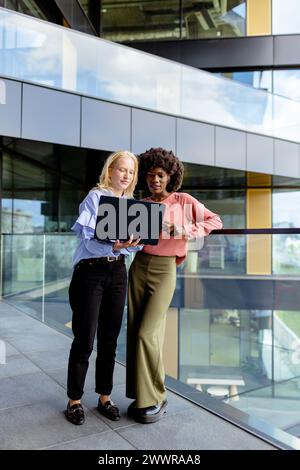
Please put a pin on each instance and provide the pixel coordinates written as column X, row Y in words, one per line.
column 58, row 272
column 156, row 20
column 280, row 82
column 287, row 345
column 22, row 260
column 286, row 248
column 261, row 79
column 226, row 101
column 140, row 20
column 286, row 117
column 287, row 83
column 34, row 202
column 285, row 17
column 278, row 402
column 30, row 7
column 227, row 347
column 43, row 53
column 213, row 19
column 43, row 184
column 233, row 344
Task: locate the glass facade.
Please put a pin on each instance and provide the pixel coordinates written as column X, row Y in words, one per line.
column 233, row 328
column 98, row 68
column 285, row 17
column 238, row 333
column 172, row 19
column 286, row 247
column 28, row 7
column 143, row 20
column 287, row 83
column 186, row 19
column 284, row 83
column 261, row 79
column 219, row 19
column 42, row 184
column 130, row 20
column 47, row 11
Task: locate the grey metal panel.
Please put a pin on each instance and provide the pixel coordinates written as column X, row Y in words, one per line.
column 287, row 158
column 105, row 126
column 287, row 50
column 195, row 142
column 214, row 53
column 152, row 130
column 10, row 108
column 50, row 116
column 260, row 154
column 230, row 148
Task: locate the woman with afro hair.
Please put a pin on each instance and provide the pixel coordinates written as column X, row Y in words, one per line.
column 152, row 280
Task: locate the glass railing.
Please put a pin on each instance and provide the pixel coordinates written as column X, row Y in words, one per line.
column 235, row 313
column 36, row 51
column 36, row 271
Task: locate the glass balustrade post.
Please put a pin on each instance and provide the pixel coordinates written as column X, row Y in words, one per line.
column 1, row 265
column 43, row 278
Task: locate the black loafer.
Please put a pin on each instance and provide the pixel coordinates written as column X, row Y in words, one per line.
column 151, row 414
column 75, row 413
column 109, row 410
column 132, row 410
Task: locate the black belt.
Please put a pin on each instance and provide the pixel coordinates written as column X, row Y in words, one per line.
column 108, row 259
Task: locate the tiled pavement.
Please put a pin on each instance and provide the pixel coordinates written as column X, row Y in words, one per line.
column 33, row 399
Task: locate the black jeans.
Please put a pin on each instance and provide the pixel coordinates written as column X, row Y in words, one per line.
column 97, row 297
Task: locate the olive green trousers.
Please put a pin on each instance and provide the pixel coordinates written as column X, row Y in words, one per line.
column 152, row 281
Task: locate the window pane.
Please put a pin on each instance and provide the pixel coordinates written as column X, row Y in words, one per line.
column 28, row 7
column 213, row 19
column 261, row 79
column 133, row 21
column 286, row 17
column 286, row 248
column 286, row 208
column 287, row 83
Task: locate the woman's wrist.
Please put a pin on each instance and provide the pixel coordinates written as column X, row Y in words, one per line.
column 180, row 230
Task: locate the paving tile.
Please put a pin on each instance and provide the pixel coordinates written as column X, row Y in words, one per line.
column 103, row 441
column 9, row 310
column 37, row 340
column 17, row 364
column 175, row 404
column 32, row 402
column 51, row 359
column 9, row 349
column 43, row 424
column 28, row 388
column 191, row 430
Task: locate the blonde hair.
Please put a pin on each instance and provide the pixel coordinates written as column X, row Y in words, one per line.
column 104, row 178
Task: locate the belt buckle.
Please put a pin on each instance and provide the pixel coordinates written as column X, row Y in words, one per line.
column 110, row 259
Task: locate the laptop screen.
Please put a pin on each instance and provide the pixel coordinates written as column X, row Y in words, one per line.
column 119, row 218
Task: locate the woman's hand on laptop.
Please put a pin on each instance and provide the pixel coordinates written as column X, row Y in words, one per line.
column 130, row 242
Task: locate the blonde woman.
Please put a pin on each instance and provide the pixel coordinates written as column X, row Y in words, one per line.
column 97, row 290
